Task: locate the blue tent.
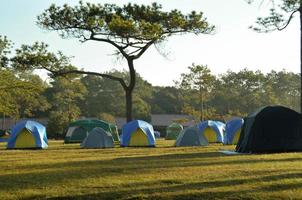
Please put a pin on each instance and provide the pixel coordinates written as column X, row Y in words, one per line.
column 191, row 137
column 28, row 134
column 232, row 131
column 137, row 133
column 212, row 130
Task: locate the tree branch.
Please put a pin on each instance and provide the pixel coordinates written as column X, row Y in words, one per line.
column 110, row 42
column 62, row 73
column 135, row 51
column 289, row 20
column 85, row 39
column 143, row 49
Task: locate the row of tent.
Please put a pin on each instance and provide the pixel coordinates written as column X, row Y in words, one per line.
column 210, row 132
column 136, row 133
column 99, row 134
column 270, row 129
column 29, row 134
column 141, row 133
column 213, row 131
column 26, row 134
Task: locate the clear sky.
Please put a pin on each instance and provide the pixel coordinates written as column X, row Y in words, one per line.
column 233, row 47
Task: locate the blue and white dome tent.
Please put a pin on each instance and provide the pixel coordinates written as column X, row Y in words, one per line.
column 232, row 131
column 137, row 133
column 213, row 131
column 28, row 134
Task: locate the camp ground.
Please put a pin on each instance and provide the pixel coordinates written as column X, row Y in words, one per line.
column 106, row 163
column 150, row 100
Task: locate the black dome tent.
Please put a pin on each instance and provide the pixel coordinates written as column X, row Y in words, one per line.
column 271, row 129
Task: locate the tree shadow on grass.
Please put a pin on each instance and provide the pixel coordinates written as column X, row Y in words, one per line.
column 143, row 195
column 200, row 190
column 76, row 170
column 127, row 162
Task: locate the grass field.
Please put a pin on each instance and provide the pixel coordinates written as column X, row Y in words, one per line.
column 165, row 172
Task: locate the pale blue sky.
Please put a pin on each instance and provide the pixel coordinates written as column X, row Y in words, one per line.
column 233, row 46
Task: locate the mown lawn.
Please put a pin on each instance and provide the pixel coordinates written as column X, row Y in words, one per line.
column 165, row 172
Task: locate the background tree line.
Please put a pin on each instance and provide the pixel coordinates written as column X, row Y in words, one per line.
column 198, row 92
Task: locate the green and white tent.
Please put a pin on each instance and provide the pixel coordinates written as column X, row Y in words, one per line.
column 98, row 138
column 114, row 132
column 78, row 130
column 173, row 131
column 191, row 136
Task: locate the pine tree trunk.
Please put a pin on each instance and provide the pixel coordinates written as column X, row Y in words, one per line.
column 300, row 12
column 129, row 90
column 202, row 111
column 128, row 94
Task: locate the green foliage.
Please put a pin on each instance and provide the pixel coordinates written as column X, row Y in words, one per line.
column 7, row 82
column 37, row 56
column 138, row 22
column 286, row 87
column 21, row 94
column 239, row 93
column 141, row 109
column 246, row 91
column 246, row 86
column 65, row 95
column 106, row 96
column 5, row 46
column 29, row 100
column 58, row 121
column 279, row 16
column 107, row 117
column 196, row 86
column 95, row 101
column 166, row 100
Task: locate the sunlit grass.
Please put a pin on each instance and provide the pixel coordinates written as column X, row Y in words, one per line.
column 165, row 172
